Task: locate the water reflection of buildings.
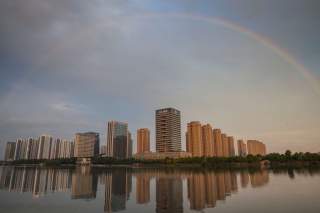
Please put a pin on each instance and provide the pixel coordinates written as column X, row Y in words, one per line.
column 204, row 188
column 84, row 183
column 118, row 184
column 169, row 194
column 35, row 180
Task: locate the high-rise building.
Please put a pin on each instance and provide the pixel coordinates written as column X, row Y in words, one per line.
column 34, row 148
column 86, row 145
column 45, row 142
column 168, row 130
column 129, row 145
column 225, row 145
column 207, row 138
column 194, row 139
column 231, row 146
column 143, row 140
column 10, row 149
column 19, row 151
column 242, row 148
column 55, row 150
column 256, row 147
column 118, row 140
column 217, row 143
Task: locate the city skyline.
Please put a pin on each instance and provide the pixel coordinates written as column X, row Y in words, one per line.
column 248, row 67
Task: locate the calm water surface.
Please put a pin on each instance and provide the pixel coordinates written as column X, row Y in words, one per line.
column 85, row 189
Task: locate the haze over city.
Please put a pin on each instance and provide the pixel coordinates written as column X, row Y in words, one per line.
column 71, row 66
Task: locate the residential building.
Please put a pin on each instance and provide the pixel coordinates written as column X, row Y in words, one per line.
column 168, row 130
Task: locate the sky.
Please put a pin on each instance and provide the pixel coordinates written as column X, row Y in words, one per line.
column 249, row 67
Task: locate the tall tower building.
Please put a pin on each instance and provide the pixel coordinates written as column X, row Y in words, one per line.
column 143, row 140
column 168, row 130
column 44, row 151
column 217, row 143
column 86, row 145
column 194, row 139
column 207, row 138
column 118, row 140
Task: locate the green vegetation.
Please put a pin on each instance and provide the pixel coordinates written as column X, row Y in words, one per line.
column 273, row 158
column 43, row 161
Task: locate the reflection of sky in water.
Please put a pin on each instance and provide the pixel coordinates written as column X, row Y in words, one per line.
column 153, row 190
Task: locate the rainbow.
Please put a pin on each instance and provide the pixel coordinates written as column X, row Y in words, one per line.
column 308, row 75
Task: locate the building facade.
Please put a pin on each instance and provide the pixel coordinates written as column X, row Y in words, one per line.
column 119, row 143
column 168, row 130
column 232, row 152
column 45, row 143
column 256, row 148
column 208, row 142
column 86, row 145
column 143, row 140
column 242, row 148
column 194, row 139
column 9, row 152
column 218, row 149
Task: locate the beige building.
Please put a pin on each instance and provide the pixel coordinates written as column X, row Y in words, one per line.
column 194, row 139
column 143, row 140
column 242, row 148
column 207, row 138
column 199, row 139
column 256, row 148
column 168, row 130
column 225, row 145
column 231, row 146
column 86, row 145
column 217, row 143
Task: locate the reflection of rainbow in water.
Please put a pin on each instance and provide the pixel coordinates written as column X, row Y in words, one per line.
column 265, row 41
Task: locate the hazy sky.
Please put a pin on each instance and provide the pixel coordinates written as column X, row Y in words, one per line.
column 249, row 67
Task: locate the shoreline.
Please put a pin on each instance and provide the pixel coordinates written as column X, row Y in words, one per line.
column 224, row 165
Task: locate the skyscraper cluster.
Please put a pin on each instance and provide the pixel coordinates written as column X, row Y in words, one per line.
column 43, row 147
column 202, row 140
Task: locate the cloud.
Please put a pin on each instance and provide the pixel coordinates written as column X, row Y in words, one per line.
column 76, row 64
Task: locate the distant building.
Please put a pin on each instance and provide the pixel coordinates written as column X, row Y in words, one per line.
column 9, row 152
column 256, row 148
column 218, row 149
column 86, row 145
column 119, row 143
column 168, row 130
column 225, row 145
column 45, row 142
column 232, row 152
column 143, row 140
column 19, row 151
column 207, row 140
column 242, row 148
column 130, row 145
column 194, row 139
